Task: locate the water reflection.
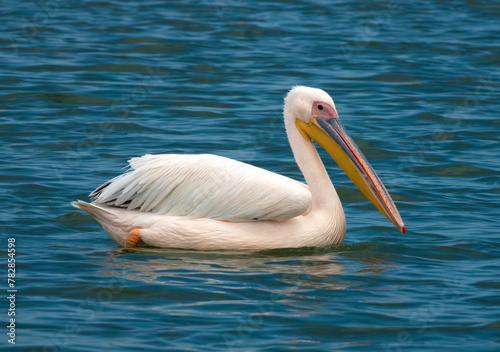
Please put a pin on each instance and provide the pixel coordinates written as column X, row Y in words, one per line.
column 297, row 273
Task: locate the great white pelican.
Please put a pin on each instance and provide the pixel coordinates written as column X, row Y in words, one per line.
column 210, row 202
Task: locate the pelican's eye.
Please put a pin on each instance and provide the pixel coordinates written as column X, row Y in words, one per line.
column 320, row 107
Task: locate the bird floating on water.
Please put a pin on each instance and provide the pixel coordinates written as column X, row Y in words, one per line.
column 210, row 202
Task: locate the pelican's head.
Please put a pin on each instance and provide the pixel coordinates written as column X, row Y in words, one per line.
column 314, row 114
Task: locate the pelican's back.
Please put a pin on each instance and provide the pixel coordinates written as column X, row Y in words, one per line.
column 204, row 186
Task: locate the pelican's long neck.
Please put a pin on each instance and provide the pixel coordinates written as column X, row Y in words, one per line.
column 323, row 193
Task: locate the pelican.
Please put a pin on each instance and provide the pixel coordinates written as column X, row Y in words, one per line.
column 209, row 202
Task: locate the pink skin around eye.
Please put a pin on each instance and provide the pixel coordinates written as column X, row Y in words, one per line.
column 323, row 110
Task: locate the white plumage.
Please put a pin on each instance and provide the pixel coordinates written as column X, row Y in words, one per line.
column 204, row 186
column 211, row 202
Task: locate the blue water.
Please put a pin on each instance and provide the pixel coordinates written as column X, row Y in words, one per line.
column 85, row 85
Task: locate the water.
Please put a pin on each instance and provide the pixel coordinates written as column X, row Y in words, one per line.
column 86, row 85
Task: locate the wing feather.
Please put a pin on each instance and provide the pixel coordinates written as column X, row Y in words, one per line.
column 206, row 186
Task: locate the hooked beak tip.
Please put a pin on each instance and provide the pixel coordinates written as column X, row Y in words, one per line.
column 403, row 229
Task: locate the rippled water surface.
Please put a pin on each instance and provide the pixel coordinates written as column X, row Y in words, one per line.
column 86, row 85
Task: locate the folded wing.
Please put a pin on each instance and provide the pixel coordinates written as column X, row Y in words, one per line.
column 204, row 186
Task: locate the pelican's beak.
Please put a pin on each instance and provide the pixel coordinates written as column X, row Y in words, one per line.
column 329, row 133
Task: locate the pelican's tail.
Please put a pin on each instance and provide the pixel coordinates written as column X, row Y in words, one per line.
column 99, row 213
column 108, row 218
